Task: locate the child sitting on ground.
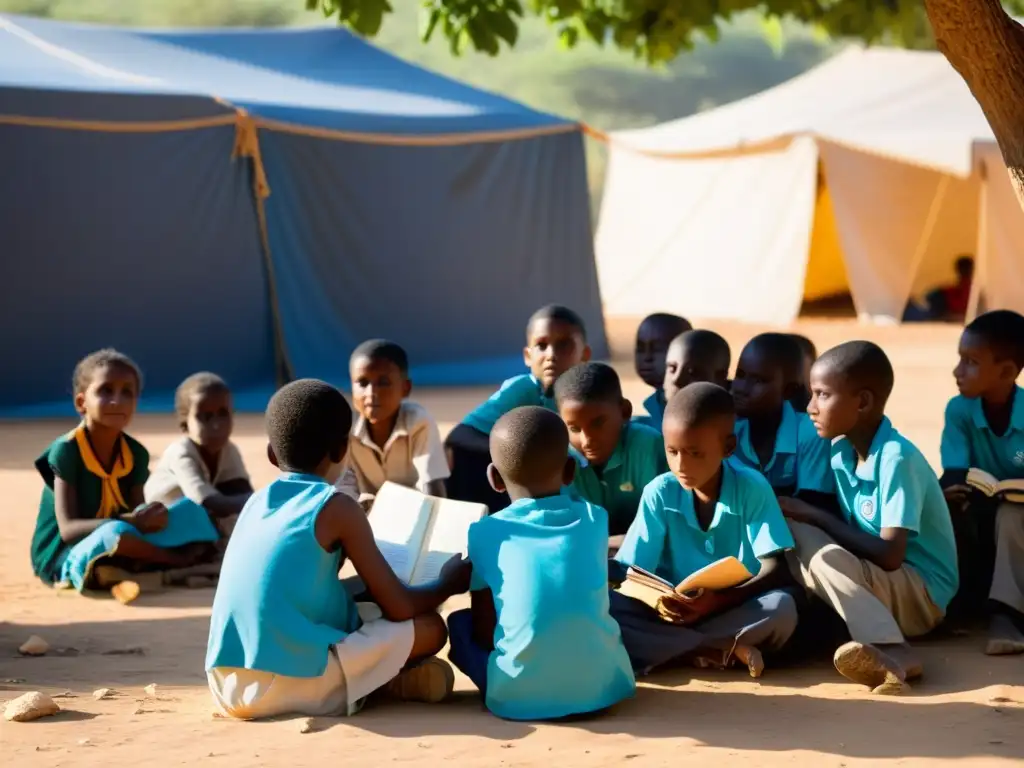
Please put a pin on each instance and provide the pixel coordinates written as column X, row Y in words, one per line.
column 538, row 641
column 285, row 635
column 771, row 437
column 395, row 440
column 652, row 340
column 887, row 566
column 985, row 430
column 706, row 508
column 694, row 356
column 556, row 340
column 615, row 457
column 203, row 465
column 93, row 522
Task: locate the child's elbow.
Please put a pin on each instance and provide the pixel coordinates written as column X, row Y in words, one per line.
column 893, row 559
column 398, row 610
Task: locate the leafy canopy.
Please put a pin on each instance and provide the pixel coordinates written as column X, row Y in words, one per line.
column 655, row 31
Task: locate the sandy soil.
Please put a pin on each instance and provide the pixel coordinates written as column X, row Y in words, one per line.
column 969, row 709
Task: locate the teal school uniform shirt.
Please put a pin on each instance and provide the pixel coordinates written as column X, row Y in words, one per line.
column 968, row 441
column 514, row 393
column 557, row 650
column 639, row 457
column 655, row 407
column 896, row 488
column 667, row 539
column 801, row 461
column 279, row 604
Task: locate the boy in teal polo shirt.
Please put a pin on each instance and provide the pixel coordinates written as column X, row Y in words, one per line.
column 538, row 641
column 984, row 429
column 615, row 457
column 693, row 356
column 704, row 509
column 888, row 565
column 653, row 338
column 771, row 437
column 556, row 340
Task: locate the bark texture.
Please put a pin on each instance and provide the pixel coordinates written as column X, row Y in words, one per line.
column 986, row 47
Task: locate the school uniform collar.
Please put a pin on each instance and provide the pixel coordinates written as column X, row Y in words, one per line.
column 615, row 460
column 655, row 403
column 786, row 437
column 687, row 510
column 844, row 457
column 1016, row 414
column 361, row 431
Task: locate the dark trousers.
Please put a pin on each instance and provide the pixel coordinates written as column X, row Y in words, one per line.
column 465, row 653
column 975, row 532
column 766, row 623
column 468, row 480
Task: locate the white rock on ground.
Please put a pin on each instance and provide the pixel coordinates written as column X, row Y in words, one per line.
column 102, row 693
column 34, row 646
column 30, row 706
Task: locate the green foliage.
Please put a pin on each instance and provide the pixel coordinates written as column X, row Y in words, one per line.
column 654, row 31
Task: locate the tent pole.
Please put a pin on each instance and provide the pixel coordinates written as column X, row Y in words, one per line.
column 926, row 235
column 981, row 250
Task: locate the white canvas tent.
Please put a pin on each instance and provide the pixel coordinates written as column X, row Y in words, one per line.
column 870, row 174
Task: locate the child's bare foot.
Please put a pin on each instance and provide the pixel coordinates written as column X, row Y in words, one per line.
column 1004, row 638
column 430, row 681
column 749, row 656
column 869, row 665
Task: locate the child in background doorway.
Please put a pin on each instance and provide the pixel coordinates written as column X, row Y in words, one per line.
column 706, row 508
column 203, row 465
column 984, row 430
column 285, row 635
column 888, row 565
column 771, row 437
column 556, row 340
column 538, row 641
column 653, row 337
column 693, row 356
column 93, row 520
column 394, row 440
column 616, row 458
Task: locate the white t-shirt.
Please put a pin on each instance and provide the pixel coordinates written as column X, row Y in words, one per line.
column 181, row 471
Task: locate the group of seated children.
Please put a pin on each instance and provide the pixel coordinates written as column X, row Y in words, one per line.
column 791, row 467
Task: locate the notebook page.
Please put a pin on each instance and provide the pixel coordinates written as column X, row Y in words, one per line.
column 399, row 520
column 448, row 535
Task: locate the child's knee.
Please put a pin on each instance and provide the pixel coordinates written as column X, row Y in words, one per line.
column 785, row 612
column 430, row 634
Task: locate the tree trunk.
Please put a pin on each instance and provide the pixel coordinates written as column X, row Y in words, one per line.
column 986, row 47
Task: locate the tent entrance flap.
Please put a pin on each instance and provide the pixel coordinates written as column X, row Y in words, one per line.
column 826, row 270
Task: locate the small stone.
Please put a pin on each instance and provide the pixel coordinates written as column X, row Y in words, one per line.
column 83, row 742
column 150, row 689
column 139, row 710
column 34, row 646
column 306, row 725
column 102, row 693
column 30, row 706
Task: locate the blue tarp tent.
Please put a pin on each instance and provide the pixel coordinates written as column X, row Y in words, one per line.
column 257, row 203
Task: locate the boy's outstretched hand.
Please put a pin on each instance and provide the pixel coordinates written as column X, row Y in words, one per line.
column 149, row 518
column 455, row 575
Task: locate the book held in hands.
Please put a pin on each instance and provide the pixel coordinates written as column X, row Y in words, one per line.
column 418, row 534
column 1010, row 490
column 650, row 588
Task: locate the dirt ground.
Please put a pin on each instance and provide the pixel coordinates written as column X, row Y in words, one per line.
column 968, row 710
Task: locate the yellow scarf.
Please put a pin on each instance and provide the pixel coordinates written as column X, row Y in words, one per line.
column 112, row 499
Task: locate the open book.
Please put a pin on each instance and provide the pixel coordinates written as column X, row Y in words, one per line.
column 418, row 534
column 647, row 587
column 1011, row 490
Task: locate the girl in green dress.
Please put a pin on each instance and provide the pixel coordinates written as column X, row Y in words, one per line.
column 92, row 505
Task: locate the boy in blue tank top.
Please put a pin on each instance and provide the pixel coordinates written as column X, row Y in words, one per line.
column 285, row 635
column 538, row 641
column 653, row 337
column 984, row 430
column 615, row 457
column 704, row 509
column 888, row 564
column 556, row 340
